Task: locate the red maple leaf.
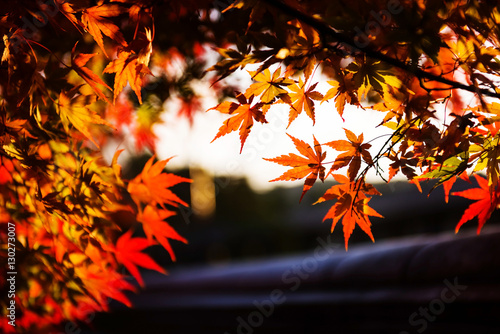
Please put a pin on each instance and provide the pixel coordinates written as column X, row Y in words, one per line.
column 351, row 206
column 487, row 201
column 128, row 251
column 154, row 224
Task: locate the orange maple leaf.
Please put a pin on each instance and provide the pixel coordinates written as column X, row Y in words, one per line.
column 78, row 62
column 355, row 151
column 153, row 222
column 95, row 21
column 351, row 206
column 151, row 185
column 243, row 117
column 395, row 107
column 128, row 68
column 128, row 251
column 309, row 165
column 342, row 91
column 269, row 86
column 487, row 202
column 75, row 110
column 302, row 99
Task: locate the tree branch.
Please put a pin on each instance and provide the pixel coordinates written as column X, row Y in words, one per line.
column 325, row 29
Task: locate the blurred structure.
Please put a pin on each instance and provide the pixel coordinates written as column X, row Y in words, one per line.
column 202, row 193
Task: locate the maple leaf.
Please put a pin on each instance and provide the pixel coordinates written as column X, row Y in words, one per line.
column 153, row 222
column 243, row 117
column 121, row 112
column 151, row 185
column 128, row 251
column 269, row 87
column 394, row 107
column 116, row 167
column 78, row 62
column 488, row 152
column 491, row 123
column 145, row 137
column 75, row 111
column 355, row 151
column 302, row 99
column 95, row 21
column 6, row 169
column 342, row 91
column 404, row 163
column 351, row 206
column 447, row 185
column 447, row 172
column 487, row 201
column 61, row 245
column 372, row 74
column 189, row 106
column 101, row 283
column 309, row 165
column 128, row 68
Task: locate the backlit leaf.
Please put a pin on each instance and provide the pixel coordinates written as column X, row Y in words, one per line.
column 152, row 185
column 129, row 252
column 242, row 117
column 127, row 68
column 155, row 227
column 96, row 21
column 269, row 86
column 76, row 111
column 486, row 199
column 310, row 164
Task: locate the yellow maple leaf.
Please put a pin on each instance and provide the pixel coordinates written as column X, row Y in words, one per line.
column 75, row 111
column 269, row 86
column 129, row 69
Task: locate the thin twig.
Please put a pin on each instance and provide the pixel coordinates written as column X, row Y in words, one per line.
column 326, row 30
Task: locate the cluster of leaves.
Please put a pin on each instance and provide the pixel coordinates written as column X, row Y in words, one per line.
column 77, row 76
column 431, row 67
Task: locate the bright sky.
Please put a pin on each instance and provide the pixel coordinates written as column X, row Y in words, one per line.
column 191, row 144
